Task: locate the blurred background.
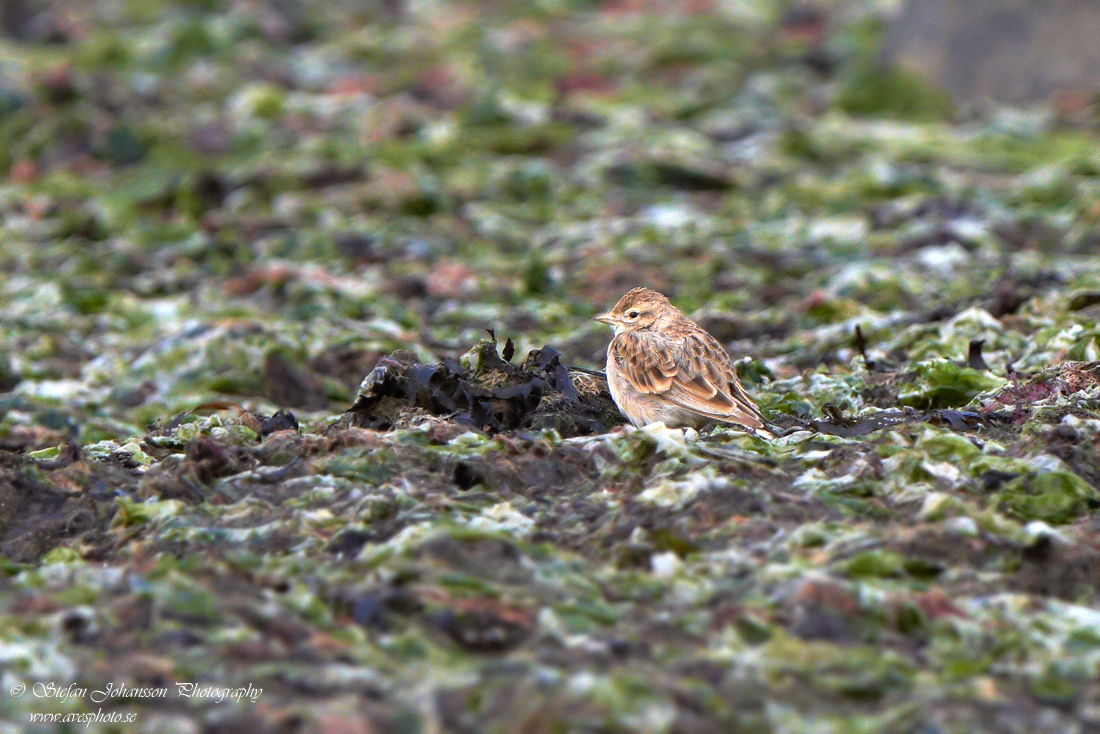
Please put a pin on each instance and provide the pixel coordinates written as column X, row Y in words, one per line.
column 256, row 199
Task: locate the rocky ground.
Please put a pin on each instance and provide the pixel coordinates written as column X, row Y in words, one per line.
column 295, row 318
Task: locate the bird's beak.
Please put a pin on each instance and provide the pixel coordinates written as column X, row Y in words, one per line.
column 605, row 318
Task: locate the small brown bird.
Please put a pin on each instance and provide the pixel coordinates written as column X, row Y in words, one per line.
column 662, row 366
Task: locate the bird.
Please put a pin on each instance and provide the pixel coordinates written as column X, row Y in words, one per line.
column 662, row 366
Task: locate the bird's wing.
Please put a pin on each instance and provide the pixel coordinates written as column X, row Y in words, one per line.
column 694, row 373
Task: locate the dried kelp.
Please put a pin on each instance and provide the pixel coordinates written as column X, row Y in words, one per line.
column 485, row 392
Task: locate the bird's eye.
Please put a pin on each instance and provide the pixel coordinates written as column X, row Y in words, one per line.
column 632, row 315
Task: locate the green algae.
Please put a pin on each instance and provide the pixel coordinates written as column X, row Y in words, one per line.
column 941, row 384
column 1055, row 497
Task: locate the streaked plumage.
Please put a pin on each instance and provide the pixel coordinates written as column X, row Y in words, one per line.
column 662, row 366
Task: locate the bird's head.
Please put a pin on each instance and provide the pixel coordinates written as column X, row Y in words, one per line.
column 639, row 310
